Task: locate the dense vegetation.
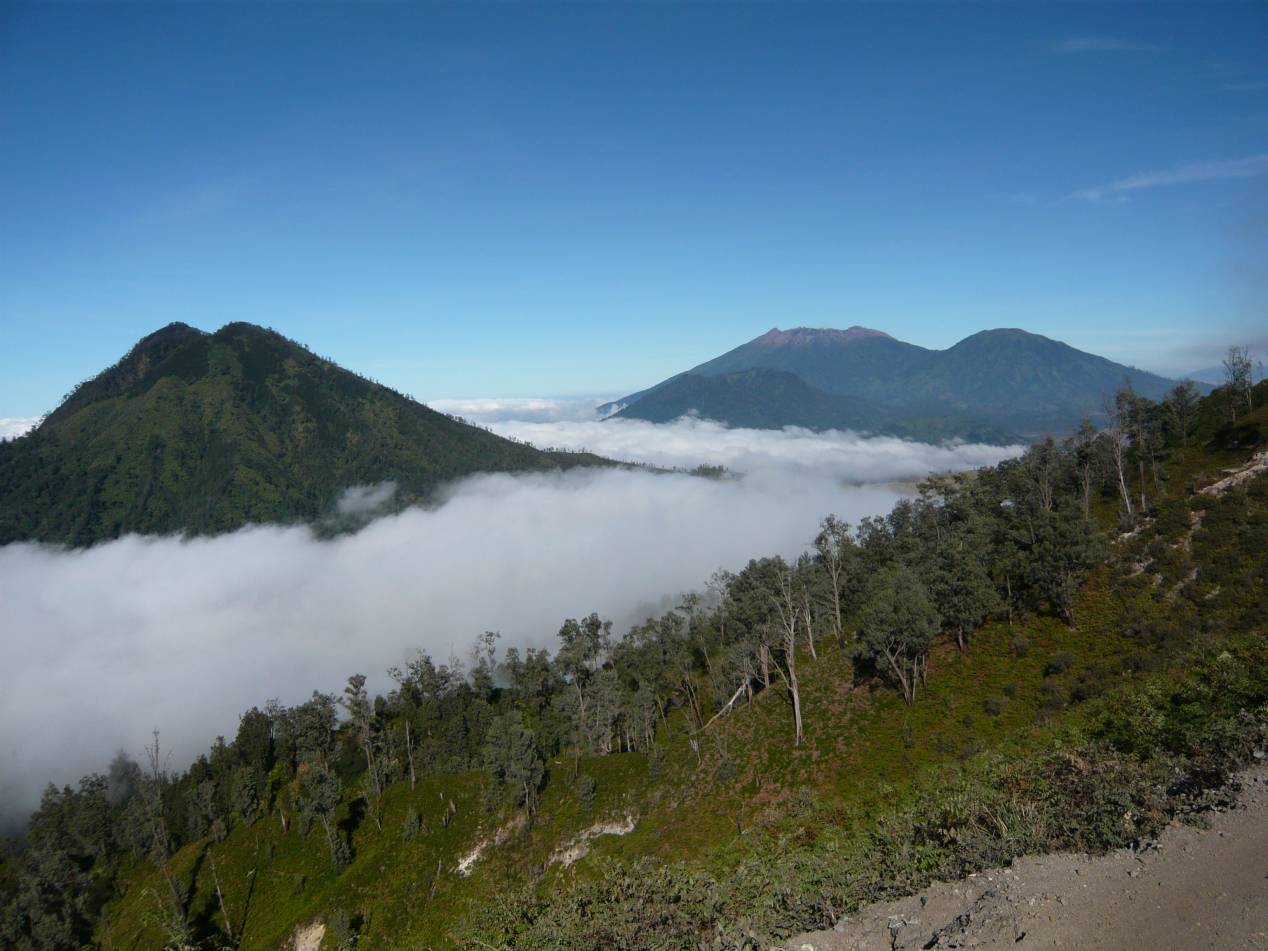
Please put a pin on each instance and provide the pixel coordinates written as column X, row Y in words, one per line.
column 761, row 398
column 1003, row 380
column 205, row 433
column 1064, row 650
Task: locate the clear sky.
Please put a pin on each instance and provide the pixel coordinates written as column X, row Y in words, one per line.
column 582, row 199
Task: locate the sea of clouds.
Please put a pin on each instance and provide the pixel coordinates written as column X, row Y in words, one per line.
column 105, row 644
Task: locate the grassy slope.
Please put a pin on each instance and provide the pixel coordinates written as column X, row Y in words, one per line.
column 865, row 754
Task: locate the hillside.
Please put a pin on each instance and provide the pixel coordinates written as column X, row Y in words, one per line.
column 761, row 398
column 201, row 433
column 1116, row 683
column 1008, row 379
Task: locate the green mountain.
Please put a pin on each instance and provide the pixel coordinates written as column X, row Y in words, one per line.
column 203, row 432
column 1007, row 379
column 761, row 398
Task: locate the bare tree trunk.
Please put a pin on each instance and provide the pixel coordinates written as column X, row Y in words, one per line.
column 1117, row 448
column 809, row 619
column 409, row 754
column 834, row 572
column 907, row 685
column 220, row 897
column 788, row 613
column 162, row 841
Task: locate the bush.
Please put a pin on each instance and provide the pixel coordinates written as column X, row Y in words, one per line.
column 587, row 789
column 341, row 932
column 412, row 824
column 1058, row 664
column 993, row 707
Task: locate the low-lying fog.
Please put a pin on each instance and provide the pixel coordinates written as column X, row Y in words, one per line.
column 104, row 645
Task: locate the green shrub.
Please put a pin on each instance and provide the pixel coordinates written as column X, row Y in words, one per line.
column 1058, row 664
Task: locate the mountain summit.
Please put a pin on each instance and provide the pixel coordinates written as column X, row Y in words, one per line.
column 816, row 336
column 996, row 380
column 200, row 432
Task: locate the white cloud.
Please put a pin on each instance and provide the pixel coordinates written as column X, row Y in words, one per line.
column 494, row 410
column 364, row 499
column 1220, row 170
column 184, row 635
column 691, row 442
column 11, row 427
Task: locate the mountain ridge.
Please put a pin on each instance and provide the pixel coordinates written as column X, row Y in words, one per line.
column 1007, row 378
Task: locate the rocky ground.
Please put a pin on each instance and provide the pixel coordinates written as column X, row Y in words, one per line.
column 1195, row 888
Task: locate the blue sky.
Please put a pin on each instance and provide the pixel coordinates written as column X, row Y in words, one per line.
column 582, row 199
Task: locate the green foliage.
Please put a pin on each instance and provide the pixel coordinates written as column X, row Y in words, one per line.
column 204, row 433
column 897, row 626
column 511, row 755
column 761, row 398
column 587, row 790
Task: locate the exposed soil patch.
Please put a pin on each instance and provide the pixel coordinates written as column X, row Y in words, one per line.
column 1194, row 888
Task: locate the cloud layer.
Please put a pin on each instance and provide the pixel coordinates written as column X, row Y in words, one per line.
column 105, row 644
column 688, row 443
column 11, row 427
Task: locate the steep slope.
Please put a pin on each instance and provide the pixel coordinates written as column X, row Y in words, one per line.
column 1009, row 379
column 761, row 398
column 208, row 432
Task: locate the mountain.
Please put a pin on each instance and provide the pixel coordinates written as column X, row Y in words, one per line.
column 761, row 398
column 1007, row 379
column 202, row 432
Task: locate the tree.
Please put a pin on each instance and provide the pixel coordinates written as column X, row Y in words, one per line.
column 361, row 715
column 319, row 797
column 584, row 646
column 1180, row 407
column 1084, row 445
column 160, row 842
column 1140, row 418
column 1041, row 464
column 961, row 590
column 1063, row 549
column 511, row 754
column 1116, row 434
column 1239, row 378
column 897, row 627
column 833, row 547
column 786, row 657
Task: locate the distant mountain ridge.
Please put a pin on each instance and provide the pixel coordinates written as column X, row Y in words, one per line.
column 198, row 432
column 1004, row 380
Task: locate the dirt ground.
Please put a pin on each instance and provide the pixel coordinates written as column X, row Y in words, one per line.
column 1195, row 888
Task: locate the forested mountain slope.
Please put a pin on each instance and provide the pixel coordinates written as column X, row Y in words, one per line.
column 196, row 432
column 1020, row 659
column 762, row 398
column 1009, row 379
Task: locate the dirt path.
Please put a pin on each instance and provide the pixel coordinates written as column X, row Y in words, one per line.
column 1193, row 889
